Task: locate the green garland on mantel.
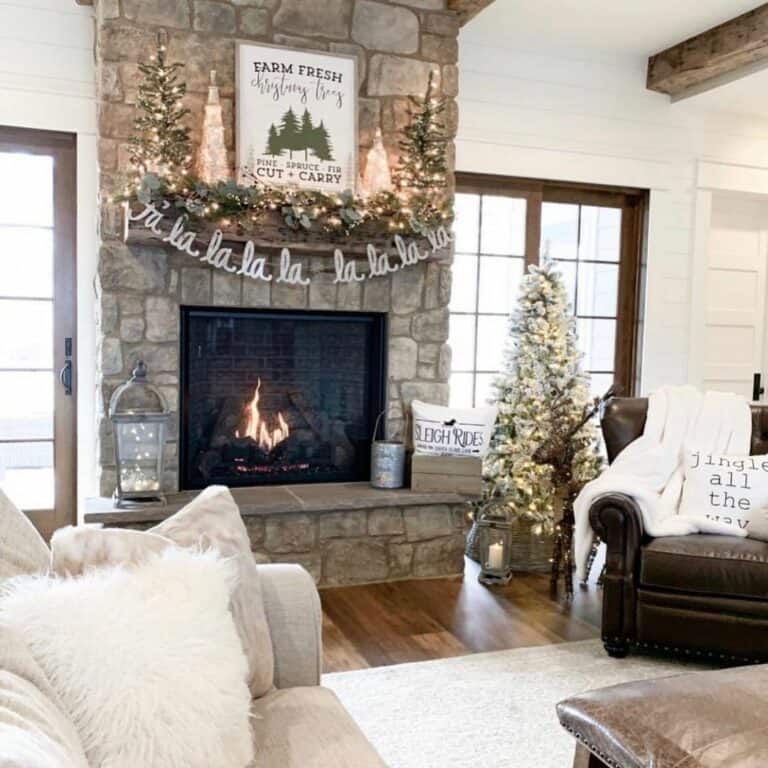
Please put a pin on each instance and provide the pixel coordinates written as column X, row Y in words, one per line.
column 228, row 204
column 161, row 161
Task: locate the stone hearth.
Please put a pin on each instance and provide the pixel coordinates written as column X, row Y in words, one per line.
column 346, row 533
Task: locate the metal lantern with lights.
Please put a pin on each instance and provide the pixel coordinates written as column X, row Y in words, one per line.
column 139, row 416
column 495, row 545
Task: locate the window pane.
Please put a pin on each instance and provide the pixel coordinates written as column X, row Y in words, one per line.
column 560, row 230
column 484, row 391
column 466, row 223
column 462, row 341
column 28, row 344
column 491, row 337
column 568, row 270
column 26, row 405
column 597, row 340
column 598, row 289
column 28, row 199
column 464, row 283
column 499, row 283
column 26, row 262
column 461, row 390
column 503, row 225
column 26, row 474
column 600, row 382
column 600, row 233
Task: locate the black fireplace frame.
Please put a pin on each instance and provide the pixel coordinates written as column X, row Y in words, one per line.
column 379, row 322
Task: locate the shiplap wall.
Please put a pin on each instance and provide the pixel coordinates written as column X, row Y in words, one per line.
column 47, row 81
column 545, row 114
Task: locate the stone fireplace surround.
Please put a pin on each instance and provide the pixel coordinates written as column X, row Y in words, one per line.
column 141, row 287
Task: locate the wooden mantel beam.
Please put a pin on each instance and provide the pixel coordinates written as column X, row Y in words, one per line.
column 714, row 57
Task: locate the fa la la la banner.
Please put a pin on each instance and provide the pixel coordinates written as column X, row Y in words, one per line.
column 256, row 267
column 297, row 117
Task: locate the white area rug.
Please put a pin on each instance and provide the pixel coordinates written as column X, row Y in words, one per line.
column 495, row 710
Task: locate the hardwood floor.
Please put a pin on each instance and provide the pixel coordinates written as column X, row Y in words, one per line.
column 379, row 624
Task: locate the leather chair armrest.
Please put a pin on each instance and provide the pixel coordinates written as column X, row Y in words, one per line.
column 617, row 520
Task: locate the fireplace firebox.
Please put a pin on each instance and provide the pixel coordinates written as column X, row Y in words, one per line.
column 271, row 396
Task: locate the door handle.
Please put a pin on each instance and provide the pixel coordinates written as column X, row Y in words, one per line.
column 65, row 377
column 757, row 390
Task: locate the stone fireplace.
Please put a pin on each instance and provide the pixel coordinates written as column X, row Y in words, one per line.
column 276, row 396
column 234, row 418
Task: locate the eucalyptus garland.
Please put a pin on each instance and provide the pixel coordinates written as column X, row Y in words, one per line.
column 246, row 206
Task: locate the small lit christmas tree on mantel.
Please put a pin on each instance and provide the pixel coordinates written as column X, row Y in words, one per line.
column 160, row 144
column 421, row 176
column 212, row 163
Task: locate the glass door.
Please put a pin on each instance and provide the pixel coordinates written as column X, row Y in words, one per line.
column 37, row 317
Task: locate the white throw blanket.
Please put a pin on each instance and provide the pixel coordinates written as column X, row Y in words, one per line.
column 650, row 469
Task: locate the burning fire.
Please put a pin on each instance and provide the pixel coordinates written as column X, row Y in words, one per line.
column 256, row 428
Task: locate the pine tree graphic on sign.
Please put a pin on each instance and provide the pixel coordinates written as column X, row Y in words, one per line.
column 273, row 142
column 296, row 135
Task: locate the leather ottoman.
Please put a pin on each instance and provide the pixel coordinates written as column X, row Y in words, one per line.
column 695, row 720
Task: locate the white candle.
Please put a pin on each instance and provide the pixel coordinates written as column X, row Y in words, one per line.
column 496, row 556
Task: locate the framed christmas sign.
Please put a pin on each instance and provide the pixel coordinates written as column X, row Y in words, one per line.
column 297, row 117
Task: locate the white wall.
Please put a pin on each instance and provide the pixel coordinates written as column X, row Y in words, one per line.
column 545, row 114
column 47, row 81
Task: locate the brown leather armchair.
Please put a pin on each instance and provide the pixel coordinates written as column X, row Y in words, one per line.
column 700, row 595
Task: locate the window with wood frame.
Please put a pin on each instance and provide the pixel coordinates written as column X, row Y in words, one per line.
column 595, row 236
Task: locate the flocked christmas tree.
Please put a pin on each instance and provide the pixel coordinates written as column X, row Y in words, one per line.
column 421, row 174
column 160, row 143
column 546, row 445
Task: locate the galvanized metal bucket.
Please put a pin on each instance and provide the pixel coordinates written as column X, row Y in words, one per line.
column 387, row 461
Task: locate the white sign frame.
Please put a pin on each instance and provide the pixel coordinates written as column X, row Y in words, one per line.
column 284, row 80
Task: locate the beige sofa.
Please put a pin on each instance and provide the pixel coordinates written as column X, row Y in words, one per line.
column 296, row 723
column 299, row 724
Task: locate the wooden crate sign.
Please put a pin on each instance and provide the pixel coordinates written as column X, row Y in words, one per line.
column 451, row 474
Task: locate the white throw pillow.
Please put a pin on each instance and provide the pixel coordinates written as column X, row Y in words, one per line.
column 146, row 661
column 441, row 431
column 722, row 492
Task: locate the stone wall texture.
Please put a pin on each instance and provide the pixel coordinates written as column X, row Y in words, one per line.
column 361, row 545
column 140, row 288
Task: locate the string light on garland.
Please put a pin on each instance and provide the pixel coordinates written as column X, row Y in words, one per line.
column 160, row 157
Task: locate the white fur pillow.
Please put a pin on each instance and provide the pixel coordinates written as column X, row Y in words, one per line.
column 146, row 661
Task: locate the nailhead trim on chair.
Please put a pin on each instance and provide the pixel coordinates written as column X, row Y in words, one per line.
column 686, row 651
column 609, row 761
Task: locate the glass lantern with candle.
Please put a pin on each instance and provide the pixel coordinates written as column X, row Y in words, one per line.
column 495, row 545
column 139, row 416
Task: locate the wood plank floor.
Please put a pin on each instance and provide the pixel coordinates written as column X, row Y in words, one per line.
column 379, row 624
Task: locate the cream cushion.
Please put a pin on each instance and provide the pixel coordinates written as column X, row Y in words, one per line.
column 211, row 520
column 146, row 660
column 308, row 728
column 34, row 731
column 22, row 549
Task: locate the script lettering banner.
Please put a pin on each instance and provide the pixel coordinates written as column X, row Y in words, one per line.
column 186, row 240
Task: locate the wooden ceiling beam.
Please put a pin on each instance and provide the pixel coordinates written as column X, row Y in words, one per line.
column 723, row 53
